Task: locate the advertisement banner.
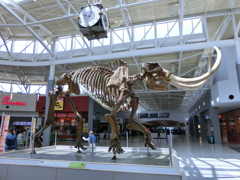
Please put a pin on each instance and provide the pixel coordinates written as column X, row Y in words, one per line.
column 17, row 102
column 4, row 131
column 59, row 104
column 32, row 130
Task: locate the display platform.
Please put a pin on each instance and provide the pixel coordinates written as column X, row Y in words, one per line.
column 133, row 155
column 55, row 162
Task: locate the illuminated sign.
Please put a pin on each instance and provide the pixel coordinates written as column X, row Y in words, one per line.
column 22, row 123
column 5, row 101
column 64, row 115
column 59, row 104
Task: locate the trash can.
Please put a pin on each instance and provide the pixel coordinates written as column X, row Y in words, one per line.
column 211, row 139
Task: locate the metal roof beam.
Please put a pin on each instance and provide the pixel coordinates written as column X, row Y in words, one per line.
column 127, row 20
column 4, row 21
column 72, row 22
column 5, row 44
column 28, row 28
column 127, row 54
column 26, row 14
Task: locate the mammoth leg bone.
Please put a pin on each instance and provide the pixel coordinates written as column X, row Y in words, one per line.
column 79, row 120
column 54, row 95
column 137, row 126
column 111, row 118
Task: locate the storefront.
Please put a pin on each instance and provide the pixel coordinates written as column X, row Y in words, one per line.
column 230, row 126
column 20, row 107
column 65, row 120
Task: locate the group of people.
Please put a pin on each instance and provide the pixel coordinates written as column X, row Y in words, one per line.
column 14, row 137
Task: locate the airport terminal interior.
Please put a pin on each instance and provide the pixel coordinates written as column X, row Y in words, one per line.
column 120, row 89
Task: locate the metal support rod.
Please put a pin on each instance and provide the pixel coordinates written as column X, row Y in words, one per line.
column 55, row 139
column 2, row 124
column 170, row 147
column 127, row 138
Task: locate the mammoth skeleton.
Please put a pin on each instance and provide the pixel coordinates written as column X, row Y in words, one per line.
column 111, row 86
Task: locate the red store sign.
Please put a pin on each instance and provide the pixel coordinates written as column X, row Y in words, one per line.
column 5, row 101
column 64, row 114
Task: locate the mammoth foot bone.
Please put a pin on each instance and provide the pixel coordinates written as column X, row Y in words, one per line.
column 79, row 145
column 148, row 142
column 115, row 147
column 38, row 142
column 148, row 138
column 114, row 144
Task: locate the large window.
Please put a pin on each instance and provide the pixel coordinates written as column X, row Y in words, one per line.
column 4, row 87
column 23, row 46
column 64, row 44
column 19, row 88
column 193, row 26
column 121, row 36
column 3, row 47
column 40, row 49
column 167, row 29
column 103, row 41
column 39, row 89
column 79, row 43
column 143, row 32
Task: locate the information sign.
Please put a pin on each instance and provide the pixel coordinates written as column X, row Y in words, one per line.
column 4, row 132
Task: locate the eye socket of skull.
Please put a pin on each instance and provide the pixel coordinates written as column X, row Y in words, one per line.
column 152, row 66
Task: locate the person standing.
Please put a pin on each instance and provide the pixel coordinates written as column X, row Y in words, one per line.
column 158, row 134
column 91, row 139
column 11, row 140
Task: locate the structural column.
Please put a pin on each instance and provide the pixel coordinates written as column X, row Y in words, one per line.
column 191, row 126
column 195, row 124
column 213, row 114
column 203, row 125
column 90, row 115
column 50, row 87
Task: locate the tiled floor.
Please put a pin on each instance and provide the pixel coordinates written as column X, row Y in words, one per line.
column 201, row 160
column 198, row 159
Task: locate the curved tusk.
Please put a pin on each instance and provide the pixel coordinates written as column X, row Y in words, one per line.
column 173, row 78
column 189, row 86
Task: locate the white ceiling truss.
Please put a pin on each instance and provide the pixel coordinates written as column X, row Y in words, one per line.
column 45, row 23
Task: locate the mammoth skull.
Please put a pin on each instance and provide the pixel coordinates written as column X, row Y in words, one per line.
column 153, row 73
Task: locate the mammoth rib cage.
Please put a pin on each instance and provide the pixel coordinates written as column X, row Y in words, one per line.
column 205, row 76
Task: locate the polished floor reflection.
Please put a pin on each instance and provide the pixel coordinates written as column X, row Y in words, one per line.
column 201, row 160
column 198, row 159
